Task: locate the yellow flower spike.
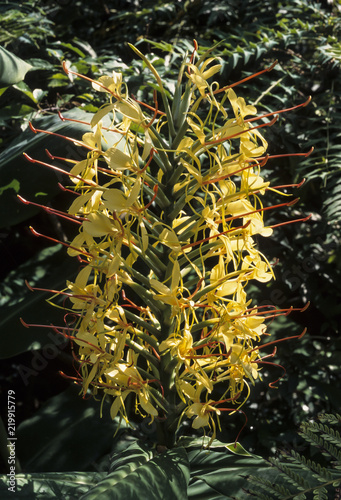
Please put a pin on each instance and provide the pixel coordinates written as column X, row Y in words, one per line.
column 94, row 139
column 131, row 110
column 198, row 130
column 98, row 224
column 167, row 206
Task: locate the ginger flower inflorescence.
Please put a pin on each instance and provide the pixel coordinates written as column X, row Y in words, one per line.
column 168, row 204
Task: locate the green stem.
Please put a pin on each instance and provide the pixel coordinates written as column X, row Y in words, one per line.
column 146, row 326
column 152, row 261
column 176, row 174
column 161, row 147
column 209, row 288
column 156, row 308
column 161, row 199
column 139, row 349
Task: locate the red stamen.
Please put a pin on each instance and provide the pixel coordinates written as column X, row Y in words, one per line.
column 148, row 107
column 63, row 188
column 213, row 403
column 131, row 303
column 52, row 157
column 233, row 410
column 289, row 185
column 152, row 151
column 271, row 355
column 192, row 56
column 29, row 325
column 71, row 337
column 271, row 384
column 203, row 356
column 157, row 356
column 61, row 242
column 277, row 312
column 302, row 105
column 280, row 340
column 288, row 154
column 72, row 218
column 224, row 139
column 291, row 221
column 216, row 236
column 287, row 204
column 155, row 189
column 101, row 169
column 116, row 130
column 76, row 379
column 70, row 295
column 246, row 79
column 158, row 382
column 74, row 141
column 67, row 71
column 57, row 169
column 217, row 179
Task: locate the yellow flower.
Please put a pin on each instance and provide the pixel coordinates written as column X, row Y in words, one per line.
column 202, row 413
column 199, row 76
column 180, row 345
column 127, row 379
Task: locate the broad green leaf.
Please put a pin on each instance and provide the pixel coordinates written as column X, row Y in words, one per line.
column 48, row 269
column 15, row 111
column 36, row 95
column 66, row 434
column 12, row 68
column 136, row 472
column 203, row 441
column 50, row 485
column 221, row 473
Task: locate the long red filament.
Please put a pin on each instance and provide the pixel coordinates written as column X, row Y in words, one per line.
column 61, row 243
column 254, row 75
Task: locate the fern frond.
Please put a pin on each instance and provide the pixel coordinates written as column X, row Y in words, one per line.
column 292, row 476
column 331, row 419
column 303, row 474
column 278, row 490
column 320, row 494
column 327, row 449
column 259, row 495
column 320, row 473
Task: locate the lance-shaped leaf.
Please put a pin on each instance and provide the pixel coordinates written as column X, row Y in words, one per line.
column 136, row 470
column 12, row 68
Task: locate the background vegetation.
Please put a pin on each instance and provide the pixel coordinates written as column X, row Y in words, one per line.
column 304, row 36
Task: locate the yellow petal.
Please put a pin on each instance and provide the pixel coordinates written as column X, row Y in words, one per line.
column 98, row 225
column 116, row 159
column 100, row 114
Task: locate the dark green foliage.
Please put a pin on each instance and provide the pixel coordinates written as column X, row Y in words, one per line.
column 303, row 477
column 304, row 37
column 23, row 19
